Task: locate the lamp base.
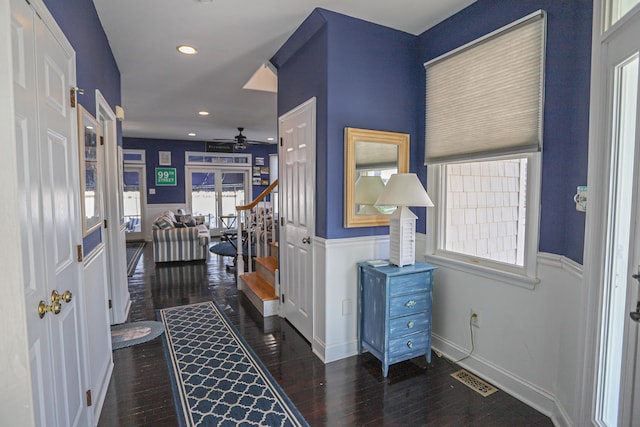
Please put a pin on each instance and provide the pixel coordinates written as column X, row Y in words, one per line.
column 402, row 237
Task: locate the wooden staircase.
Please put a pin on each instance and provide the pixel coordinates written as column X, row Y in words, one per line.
column 260, row 286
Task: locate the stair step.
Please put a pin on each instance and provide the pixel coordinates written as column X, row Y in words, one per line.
column 260, row 287
column 269, row 262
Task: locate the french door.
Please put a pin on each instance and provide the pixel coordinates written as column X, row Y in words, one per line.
column 215, row 193
column 133, row 199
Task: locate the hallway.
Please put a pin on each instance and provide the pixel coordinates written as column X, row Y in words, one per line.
column 347, row 392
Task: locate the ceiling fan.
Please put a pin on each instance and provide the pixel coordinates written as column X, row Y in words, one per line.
column 239, row 141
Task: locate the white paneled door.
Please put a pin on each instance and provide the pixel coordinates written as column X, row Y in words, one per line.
column 297, row 192
column 44, row 72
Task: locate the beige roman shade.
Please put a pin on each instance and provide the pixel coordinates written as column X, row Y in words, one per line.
column 486, row 98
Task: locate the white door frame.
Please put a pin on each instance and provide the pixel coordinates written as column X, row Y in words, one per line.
column 596, row 220
column 118, row 289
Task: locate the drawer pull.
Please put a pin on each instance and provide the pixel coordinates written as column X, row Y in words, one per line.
column 410, row 324
column 410, row 303
column 409, row 344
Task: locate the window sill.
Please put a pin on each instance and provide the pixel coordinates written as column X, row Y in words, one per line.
column 510, row 278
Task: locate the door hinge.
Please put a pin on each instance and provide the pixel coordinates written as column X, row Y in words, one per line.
column 281, row 221
column 101, row 140
column 79, row 248
column 280, row 141
column 110, row 303
column 282, row 297
column 72, row 97
column 105, row 223
column 73, row 93
column 89, row 400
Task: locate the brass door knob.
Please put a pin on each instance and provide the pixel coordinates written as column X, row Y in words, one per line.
column 54, row 308
column 66, row 296
column 306, row 240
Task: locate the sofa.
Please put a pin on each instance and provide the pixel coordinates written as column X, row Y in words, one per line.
column 179, row 238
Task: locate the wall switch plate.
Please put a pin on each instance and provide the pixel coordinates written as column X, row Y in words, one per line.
column 152, row 191
column 581, row 198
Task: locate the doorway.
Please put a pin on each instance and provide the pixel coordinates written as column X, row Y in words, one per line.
column 297, row 133
column 612, row 266
column 215, row 193
column 134, row 201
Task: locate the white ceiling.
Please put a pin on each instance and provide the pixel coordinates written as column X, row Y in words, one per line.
column 162, row 90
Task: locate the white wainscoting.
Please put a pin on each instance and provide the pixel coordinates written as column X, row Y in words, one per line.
column 335, row 303
column 528, row 341
column 154, row 211
column 98, row 331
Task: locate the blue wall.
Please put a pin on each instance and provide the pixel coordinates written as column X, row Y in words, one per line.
column 363, row 75
column 96, row 67
column 372, row 77
column 566, row 113
column 170, row 195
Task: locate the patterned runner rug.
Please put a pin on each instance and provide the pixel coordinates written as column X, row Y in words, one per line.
column 218, row 379
column 134, row 252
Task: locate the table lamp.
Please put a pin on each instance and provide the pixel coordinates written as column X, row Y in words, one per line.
column 403, row 190
column 368, row 189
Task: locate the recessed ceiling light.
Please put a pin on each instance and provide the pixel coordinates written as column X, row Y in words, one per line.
column 203, row 113
column 271, row 139
column 191, row 134
column 187, row 50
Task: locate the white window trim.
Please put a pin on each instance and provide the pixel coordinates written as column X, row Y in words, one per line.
column 142, row 160
column 525, row 276
column 188, row 162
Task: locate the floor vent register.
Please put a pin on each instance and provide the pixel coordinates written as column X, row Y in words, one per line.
column 474, row 383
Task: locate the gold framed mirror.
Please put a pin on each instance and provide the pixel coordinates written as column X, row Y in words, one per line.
column 370, row 158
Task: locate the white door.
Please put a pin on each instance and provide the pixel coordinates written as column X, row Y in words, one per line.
column 297, row 192
column 618, row 396
column 48, row 179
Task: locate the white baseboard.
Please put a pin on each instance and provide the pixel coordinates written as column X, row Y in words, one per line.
column 523, row 390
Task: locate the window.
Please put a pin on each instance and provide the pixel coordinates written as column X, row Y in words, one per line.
column 616, row 10
column 484, row 108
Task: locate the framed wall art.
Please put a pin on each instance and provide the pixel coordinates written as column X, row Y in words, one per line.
column 90, row 164
column 164, row 158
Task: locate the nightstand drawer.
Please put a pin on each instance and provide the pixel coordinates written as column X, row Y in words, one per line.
column 417, row 282
column 408, row 325
column 409, row 304
column 407, row 344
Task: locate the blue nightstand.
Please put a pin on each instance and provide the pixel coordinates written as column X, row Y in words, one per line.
column 394, row 311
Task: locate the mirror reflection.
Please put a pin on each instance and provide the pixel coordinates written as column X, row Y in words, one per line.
column 375, row 163
column 371, row 157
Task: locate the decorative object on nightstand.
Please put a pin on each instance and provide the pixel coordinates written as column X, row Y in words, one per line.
column 368, row 189
column 403, row 190
column 394, row 311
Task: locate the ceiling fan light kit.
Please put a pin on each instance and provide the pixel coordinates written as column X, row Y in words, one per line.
column 239, row 142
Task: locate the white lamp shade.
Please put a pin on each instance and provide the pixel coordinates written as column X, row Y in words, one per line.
column 368, row 189
column 404, row 189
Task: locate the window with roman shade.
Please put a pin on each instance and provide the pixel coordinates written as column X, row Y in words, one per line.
column 486, row 98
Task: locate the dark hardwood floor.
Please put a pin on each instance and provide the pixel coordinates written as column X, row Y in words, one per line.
column 348, row 392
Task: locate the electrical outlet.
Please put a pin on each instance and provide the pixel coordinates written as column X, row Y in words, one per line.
column 475, row 317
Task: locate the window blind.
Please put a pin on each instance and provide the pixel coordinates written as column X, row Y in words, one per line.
column 486, row 98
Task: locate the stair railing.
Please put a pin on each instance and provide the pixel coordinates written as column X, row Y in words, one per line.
column 257, row 225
